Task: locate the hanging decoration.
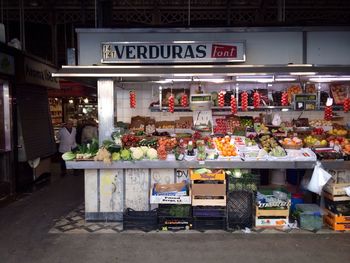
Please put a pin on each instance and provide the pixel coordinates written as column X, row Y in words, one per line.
column 132, row 98
column 171, row 103
column 284, row 99
column 256, row 99
column 346, row 105
column 328, row 111
column 184, row 100
column 233, row 105
column 244, row 101
column 221, row 99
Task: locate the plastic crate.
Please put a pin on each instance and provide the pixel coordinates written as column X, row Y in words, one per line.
column 209, row 211
column 209, row 223
column 174, row 217
column 310, row 216
column 140, row 220
column 240, row 209
column 337, row 207
column 174, row 211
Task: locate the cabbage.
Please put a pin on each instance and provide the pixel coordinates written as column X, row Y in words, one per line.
column 125, row 155
column 152, row 154
column 68, row 156
column 137, row 153
column 115, row 156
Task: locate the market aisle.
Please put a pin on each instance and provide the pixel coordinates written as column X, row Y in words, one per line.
column 24, row 237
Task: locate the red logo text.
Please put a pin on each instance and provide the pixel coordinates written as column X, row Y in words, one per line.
column 223, row 51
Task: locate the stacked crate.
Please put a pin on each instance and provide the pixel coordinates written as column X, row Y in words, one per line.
column 208, row 200
column 174, row 217
column 337, row 206
column 272, row 214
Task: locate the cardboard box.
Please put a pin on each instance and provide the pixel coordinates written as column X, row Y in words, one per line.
column 271, row 222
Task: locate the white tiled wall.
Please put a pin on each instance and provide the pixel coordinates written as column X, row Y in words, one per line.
column 148, row 93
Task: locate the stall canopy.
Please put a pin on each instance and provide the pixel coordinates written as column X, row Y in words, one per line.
column 72, row 89
column 227, row 72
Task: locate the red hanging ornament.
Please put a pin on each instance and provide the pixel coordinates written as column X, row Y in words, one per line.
column 184, row 100
column 233, row 105
column 347, row 104
column 284, row 99
column 256, row 99
column 132, row 98
column 244, row 101
column 171, row 103
column 221, row 99
column 328, row 113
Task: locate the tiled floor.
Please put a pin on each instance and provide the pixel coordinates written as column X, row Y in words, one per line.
column 75, row 223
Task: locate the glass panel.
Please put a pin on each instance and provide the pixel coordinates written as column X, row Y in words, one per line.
column 5, row 118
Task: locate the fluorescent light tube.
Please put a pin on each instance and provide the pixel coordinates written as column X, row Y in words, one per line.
column 302, row 73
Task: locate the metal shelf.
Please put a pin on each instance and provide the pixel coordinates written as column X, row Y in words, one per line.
column 219, row 109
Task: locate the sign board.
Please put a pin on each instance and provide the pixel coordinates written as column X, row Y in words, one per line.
column 173, row 52
column 39, row 74
column 7, row 64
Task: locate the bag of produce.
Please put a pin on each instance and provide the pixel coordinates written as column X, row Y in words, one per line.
column 319, row 178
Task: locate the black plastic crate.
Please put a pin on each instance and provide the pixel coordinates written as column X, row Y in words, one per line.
column 175, row 223
column 338, row 207
column 209, row 223
column 174, row 211
column 240, row 206
column 140, row 220
column 209, row 211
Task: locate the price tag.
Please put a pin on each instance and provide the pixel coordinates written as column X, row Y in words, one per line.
column 201, row 162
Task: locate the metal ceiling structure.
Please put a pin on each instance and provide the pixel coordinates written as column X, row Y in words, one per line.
column 54, row 21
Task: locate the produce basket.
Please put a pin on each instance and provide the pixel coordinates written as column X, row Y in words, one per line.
column 292, row 147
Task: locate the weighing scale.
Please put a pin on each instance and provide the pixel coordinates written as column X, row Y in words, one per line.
column 201, row 105
column 305, row 101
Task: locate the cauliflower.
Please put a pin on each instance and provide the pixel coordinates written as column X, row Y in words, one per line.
column 144, row 149
column 136, row 153
column 152, row 154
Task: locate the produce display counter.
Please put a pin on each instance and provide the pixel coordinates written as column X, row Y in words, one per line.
column 207, row 164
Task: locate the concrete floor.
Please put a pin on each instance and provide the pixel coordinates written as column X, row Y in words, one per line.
column 24, row 237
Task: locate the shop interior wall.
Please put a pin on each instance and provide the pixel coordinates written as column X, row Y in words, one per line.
column 261, row 47
column 147, row 93
column 332, row 48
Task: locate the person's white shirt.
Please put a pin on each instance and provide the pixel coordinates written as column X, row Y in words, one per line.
column 67, row 139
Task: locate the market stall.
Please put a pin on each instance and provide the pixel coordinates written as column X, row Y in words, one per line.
column 177, row 133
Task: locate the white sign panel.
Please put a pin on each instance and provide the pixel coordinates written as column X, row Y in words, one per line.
column 174, row 52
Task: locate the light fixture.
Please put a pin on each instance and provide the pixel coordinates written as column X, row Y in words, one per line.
column 86, row 100
column 70, row 101
column 260, row 80
column 329, row 79
column 302, row 73
column 299, row 65
column 285, row 79
column 214, row 80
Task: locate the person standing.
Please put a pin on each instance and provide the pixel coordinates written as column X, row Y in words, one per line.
column 89, row 132
column 67, row 137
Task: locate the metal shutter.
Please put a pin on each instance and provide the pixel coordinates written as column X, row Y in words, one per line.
column 35, row 122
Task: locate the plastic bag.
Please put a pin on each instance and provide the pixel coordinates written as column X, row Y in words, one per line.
column 347, row 190
column 319, row 178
